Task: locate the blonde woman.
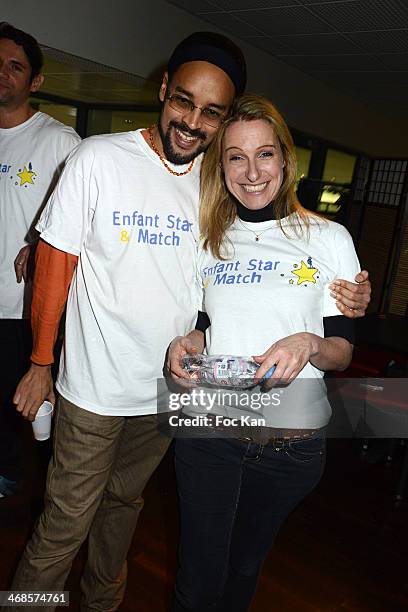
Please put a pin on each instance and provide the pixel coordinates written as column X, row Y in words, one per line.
column 266, row 266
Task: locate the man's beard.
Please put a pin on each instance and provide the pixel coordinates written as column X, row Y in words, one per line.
column 178, row 158
column 6, row 96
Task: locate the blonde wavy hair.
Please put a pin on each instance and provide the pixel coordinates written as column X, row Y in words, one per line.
column 217, row 206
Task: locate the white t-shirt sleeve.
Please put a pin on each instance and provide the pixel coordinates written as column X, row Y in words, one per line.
column 347, row 266
column 68, row 140
column 65, row 219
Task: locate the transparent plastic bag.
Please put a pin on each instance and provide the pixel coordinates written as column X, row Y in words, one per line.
column 221, row 370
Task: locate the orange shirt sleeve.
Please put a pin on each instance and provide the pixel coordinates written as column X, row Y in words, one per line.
column 54, row 270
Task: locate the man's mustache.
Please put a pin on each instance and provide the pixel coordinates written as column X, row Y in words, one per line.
column 184, row 128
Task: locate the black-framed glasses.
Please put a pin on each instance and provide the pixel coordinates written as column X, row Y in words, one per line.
column 182, row 104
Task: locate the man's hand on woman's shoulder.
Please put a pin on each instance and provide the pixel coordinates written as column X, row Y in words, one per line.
column 352, row 299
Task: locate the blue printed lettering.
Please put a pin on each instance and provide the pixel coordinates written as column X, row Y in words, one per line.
column 259, row 264
column 178, row 224
column 237, row 279
column 158, row 238
column 136, row 218
column 221, row 267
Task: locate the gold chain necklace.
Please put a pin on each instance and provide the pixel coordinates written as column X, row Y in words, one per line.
column 256, row 234
column 163, row 161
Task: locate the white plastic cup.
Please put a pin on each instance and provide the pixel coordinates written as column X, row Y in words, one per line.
column 42, row 422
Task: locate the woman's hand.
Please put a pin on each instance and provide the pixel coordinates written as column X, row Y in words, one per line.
column 289, row 355
column 180, row 346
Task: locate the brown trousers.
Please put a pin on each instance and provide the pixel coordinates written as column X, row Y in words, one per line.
column 96, row 476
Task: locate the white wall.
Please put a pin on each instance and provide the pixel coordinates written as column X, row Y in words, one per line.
column 138, row 37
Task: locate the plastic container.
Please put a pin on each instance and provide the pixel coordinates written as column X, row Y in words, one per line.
column 221, row 370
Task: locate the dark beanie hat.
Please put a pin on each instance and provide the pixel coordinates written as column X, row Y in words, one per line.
column 215, row 49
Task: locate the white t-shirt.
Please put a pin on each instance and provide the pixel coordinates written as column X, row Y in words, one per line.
column 134, row 227
column 31, row 155
column 273, row 288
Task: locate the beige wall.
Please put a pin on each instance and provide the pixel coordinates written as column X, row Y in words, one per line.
column 138, row 36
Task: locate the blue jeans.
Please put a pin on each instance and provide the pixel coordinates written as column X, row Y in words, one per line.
column 234, row 496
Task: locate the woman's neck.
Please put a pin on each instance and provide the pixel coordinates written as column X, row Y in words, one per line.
column 266, row 213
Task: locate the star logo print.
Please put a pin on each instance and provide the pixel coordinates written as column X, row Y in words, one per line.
column 305, row 274
column 26, row 175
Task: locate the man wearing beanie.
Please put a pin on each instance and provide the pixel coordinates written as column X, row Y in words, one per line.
column 118, row 242
column 119, row 232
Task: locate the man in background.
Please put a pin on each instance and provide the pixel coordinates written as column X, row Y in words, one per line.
column 32, row 148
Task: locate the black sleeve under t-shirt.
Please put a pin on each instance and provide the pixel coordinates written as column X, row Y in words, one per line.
column 203, row 321
column 339, row 326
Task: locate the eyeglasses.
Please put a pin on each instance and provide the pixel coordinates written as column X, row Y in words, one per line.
column 181, row 104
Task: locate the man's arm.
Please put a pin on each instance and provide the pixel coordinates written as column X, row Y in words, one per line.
column 53, row 274
column 352, row 299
